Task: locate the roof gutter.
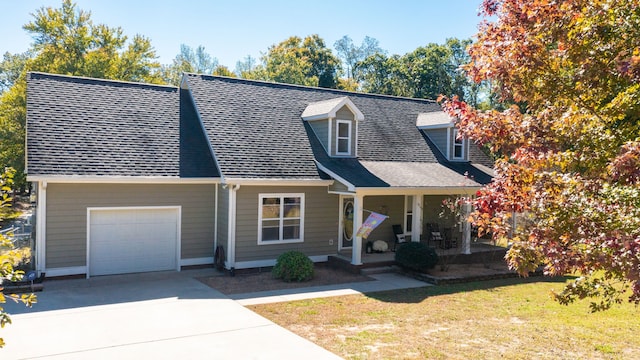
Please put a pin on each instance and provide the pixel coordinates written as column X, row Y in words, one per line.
column 276, row 182
column 92, row 179
column 415, row 190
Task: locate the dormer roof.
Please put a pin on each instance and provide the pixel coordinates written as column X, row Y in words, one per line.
column 327, row 109
column 434, row 120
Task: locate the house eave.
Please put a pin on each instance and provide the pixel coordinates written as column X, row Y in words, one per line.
column 276, row 182
column 436, row 126
column 82, row 179
column 349, row 185
column 418, row 190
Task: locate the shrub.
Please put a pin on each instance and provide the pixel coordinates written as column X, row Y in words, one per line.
column 416, row 256
column 293, row 266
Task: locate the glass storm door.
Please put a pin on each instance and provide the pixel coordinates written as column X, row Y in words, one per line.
column 346, row 231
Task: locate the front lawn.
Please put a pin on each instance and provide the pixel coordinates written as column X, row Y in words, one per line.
column 509, row 319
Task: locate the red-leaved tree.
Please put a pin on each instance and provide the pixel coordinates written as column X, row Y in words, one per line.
column 567, row 143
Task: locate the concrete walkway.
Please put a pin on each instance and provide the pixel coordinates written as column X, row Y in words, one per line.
column 165, row 315
column 382, row 282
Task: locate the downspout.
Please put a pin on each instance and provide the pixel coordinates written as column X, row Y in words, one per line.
column 231, row 257
column 215, row 222
column 41, row 227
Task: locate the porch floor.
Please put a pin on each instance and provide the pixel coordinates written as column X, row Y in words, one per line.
column 484, row 249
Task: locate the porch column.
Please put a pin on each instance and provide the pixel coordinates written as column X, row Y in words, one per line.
column 466, row 229
column 356, row 250
column 416, row 219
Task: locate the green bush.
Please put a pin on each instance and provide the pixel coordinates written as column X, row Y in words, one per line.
column 293, row 266
column 416, row 256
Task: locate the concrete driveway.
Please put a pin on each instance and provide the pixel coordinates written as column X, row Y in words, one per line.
column 166, row 315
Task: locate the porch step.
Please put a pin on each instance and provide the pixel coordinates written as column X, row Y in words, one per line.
column 379, row 270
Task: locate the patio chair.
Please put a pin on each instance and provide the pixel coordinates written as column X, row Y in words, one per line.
column 434, row 235
column 399, row 234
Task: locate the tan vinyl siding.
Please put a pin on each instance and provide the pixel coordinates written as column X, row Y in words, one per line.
column 439, row 138
column 338, row 186
column 344, row 114
column 321, row 129
column 66, row 233
column 392, row 206
column 320, row 223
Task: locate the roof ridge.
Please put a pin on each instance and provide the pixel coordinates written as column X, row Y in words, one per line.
column 39, row 74
column 313, row 88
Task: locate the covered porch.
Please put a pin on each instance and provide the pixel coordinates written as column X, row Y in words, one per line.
column 410, row 215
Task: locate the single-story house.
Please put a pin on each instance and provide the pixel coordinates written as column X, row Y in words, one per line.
column 134, row 177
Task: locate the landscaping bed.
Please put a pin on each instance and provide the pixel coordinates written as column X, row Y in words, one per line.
column 261, row 280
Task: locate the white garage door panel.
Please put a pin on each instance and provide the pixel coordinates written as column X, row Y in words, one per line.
column 133, row 240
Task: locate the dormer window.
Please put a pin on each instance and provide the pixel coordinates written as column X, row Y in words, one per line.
column 335, row 123
column 440, row 129
column 343, row 137
column 458, row 146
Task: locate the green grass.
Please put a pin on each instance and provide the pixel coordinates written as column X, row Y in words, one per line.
column 510, row 318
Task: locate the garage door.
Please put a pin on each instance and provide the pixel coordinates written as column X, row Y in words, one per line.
column 127, row 240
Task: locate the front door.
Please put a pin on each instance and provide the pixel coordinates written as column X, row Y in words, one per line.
column 346, row 223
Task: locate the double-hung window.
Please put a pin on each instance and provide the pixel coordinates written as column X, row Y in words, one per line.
column 458, row 146
column 343, row 138
column 280, row 218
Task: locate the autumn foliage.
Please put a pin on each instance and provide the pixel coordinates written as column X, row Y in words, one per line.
column 567, row 140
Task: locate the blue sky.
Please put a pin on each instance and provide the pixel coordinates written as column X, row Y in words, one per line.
column 231, row 30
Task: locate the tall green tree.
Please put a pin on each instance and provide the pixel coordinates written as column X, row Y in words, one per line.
column 570, row 147
column 301, row 61
column 350, row 54
column 324, row 65
column 250, row 68
column 189, row 61
column 426, row 72
column 11, row 67
column 222, row 70
column 382, row 74
column 66, row 41
column 288, row 62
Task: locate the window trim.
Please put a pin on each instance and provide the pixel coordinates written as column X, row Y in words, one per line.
column 348, row 137
column 455, row 144
column 281, row 196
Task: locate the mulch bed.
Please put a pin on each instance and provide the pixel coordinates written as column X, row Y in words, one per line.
column 246, row 282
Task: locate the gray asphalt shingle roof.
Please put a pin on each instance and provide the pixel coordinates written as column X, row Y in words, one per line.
column 256, row 127
column 80, row 126
column 256, row 131
column 91, row 127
